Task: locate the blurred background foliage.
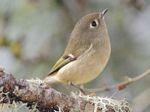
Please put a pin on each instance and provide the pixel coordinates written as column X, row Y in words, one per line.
column 34, row 33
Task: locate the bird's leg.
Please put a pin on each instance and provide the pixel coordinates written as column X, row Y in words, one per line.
column 82, row 86
column 83, row 91
column 87, row 92
column 79, row 88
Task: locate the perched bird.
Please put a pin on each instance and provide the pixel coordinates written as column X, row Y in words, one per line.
column 86, row 54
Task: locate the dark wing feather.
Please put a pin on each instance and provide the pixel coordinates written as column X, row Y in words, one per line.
column 62, row 62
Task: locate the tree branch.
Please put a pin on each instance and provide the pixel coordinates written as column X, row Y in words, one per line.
column 47, row 99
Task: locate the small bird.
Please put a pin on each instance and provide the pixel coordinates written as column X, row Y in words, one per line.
column 86, row 54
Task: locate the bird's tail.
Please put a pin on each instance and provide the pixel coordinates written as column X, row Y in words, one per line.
column 51, row 80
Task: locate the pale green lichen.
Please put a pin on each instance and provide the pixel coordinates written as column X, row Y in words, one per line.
column 105, row 104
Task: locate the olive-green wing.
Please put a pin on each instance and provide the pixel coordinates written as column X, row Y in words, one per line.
column 67, row 59
column 62, row 62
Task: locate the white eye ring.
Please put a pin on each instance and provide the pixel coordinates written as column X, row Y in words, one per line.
column 94, row 23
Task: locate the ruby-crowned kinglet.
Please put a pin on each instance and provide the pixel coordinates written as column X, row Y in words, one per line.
column 86, row 54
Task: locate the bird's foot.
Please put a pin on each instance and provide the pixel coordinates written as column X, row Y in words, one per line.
column 82, row 91
column 87, row 94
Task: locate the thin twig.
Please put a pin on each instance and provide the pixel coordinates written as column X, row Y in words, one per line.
column 121, row 85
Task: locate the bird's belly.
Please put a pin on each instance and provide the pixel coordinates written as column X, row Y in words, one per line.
column 80, row 72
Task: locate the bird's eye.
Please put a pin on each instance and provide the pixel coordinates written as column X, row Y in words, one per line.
column 94, row 24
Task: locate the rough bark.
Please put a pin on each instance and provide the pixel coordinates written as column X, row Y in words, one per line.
column 46, row 99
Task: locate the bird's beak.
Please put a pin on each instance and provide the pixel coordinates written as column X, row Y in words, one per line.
column 103, row 13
